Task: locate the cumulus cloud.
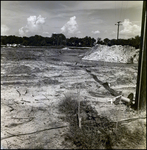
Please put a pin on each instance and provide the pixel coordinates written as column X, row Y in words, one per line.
column 79, row 32
column 71, row 27
column 34, row 26
column 4, row 29
column 130, row 29
column 95, row 32
column 46, row 34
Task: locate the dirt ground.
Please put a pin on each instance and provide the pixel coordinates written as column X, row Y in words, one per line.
column 40, row 91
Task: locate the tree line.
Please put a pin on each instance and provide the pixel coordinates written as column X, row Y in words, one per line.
column 135, row 42
column 61, row 40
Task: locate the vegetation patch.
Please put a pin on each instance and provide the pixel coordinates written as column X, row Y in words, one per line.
column 50, row 81
column 20, row 70
column 96, row 132
column 17, row 55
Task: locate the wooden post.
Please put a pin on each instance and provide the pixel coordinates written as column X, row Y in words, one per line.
column 118, row 24
column 79, row 118
column 140, row 98
column 78, row 99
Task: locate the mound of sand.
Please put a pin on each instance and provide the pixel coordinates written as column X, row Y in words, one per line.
column 115, row 53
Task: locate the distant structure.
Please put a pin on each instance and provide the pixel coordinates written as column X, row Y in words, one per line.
column 118, row 24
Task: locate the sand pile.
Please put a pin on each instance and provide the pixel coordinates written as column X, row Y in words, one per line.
column 115, row 53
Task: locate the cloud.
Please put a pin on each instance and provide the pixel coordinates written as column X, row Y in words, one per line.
column 95, row 32
column 4, row 29
column 108, row 4
column 130, row 29
column 113, row 32
column 79, row 32
column 34, row 26
column 46, row 34
column 71, row 27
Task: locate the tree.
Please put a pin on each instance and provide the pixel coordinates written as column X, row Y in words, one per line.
column 4, row 40
column 106, row 41
column 43, row 42
column 99, row 41
column 25, row 43
column 93, row 41
column 58, row 39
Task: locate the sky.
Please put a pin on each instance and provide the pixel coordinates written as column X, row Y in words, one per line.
column 96, row 19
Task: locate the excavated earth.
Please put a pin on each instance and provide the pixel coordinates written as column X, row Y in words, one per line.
column 40, row 91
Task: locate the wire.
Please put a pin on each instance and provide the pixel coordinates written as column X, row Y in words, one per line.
column 121, row 10
column 115, row 11
column 126, row 10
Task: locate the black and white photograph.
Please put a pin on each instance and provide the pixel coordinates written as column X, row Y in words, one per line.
column 73, row 74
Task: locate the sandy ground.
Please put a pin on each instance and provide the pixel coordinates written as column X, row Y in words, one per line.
column 35, row 80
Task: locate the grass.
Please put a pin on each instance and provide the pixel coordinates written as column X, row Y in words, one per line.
column 97, row 132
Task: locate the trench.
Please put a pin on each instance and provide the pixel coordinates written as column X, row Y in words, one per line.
column 97, row 131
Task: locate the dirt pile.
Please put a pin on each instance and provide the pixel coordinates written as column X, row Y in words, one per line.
column 115, row 53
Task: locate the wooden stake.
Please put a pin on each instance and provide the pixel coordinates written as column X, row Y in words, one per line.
column 79, row 118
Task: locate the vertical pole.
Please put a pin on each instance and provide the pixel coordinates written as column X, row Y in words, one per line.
column 78, row 99
column 118, row 23
column 118, row 31
column 140, row 99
